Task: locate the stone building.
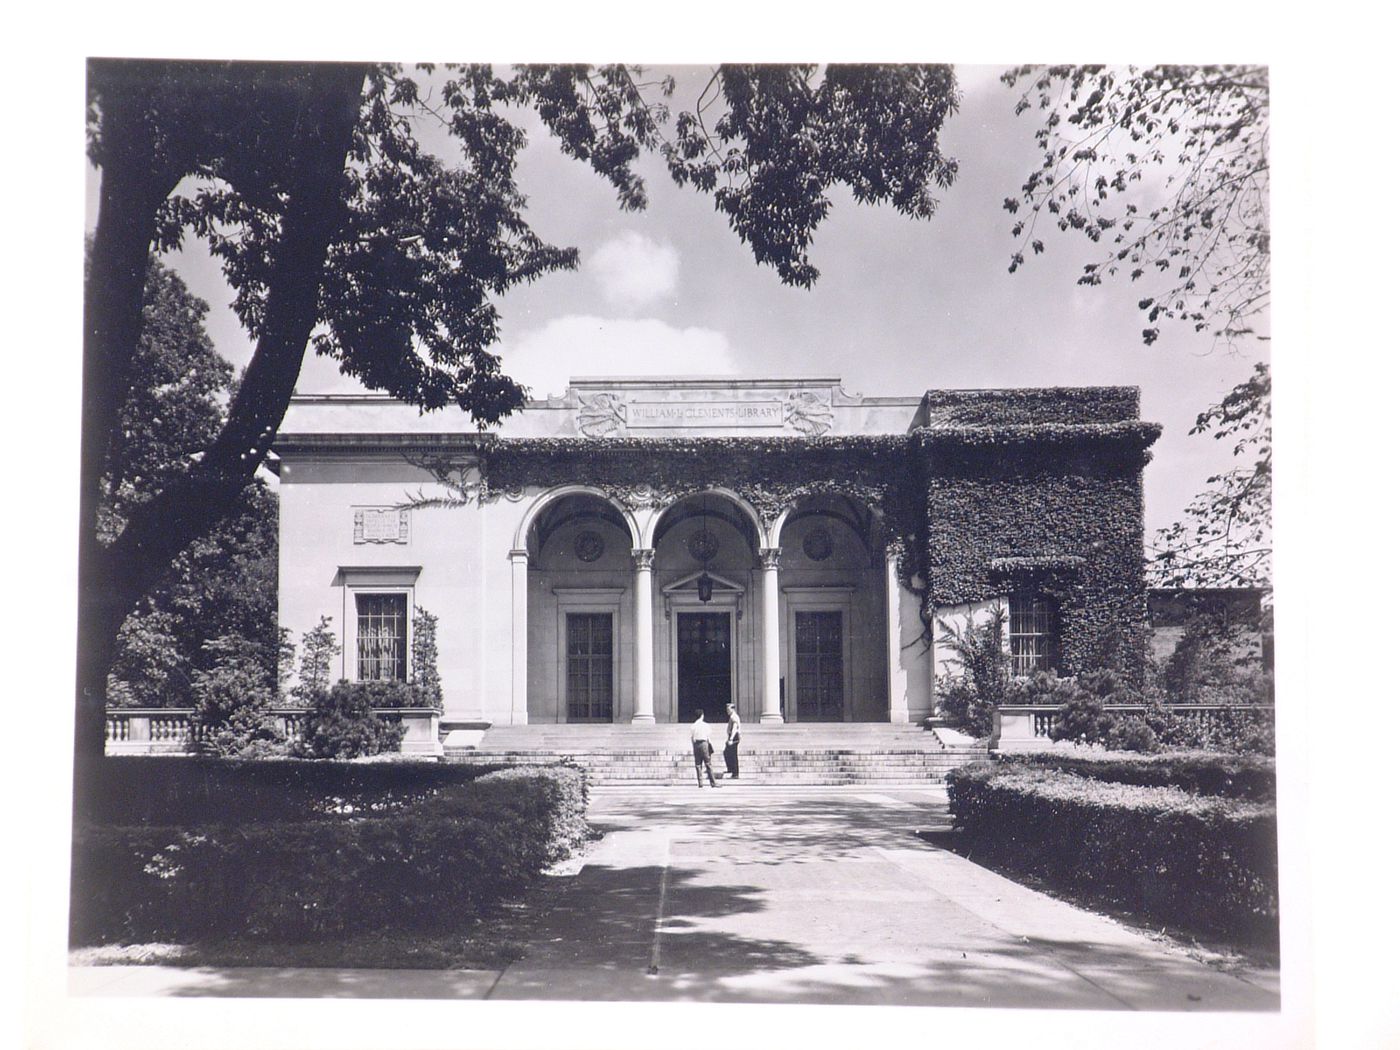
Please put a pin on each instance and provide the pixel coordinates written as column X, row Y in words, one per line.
column 637, row 548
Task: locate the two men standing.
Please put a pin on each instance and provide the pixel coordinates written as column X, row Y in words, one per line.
column 703, row 749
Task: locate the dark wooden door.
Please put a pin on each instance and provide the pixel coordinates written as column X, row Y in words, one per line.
column 703, row 675
column 821, row 670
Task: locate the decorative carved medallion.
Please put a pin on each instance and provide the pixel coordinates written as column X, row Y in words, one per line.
column 807, row 412
column 702, row 545
column 588, row 546
column 817, row 544
column 601, row 415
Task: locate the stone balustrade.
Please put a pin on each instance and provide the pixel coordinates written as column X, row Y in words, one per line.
column 1027, row 727
column 169, row 730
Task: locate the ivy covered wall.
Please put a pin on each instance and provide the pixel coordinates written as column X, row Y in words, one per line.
column 1037, row 491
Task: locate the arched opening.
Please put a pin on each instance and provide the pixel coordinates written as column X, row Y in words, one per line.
column 834, row 612
column 707, row 629
column 578, row 545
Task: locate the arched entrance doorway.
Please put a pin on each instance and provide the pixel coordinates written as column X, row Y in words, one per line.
column 706, row 554
column 834, row 612
column 579, row 624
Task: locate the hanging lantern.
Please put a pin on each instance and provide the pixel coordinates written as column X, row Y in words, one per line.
column 704, row 585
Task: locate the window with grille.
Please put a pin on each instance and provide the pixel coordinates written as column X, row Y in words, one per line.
column 1032, row 635
column 383, row 637
column 589, row 651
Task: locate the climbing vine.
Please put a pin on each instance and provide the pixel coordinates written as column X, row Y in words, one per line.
column 969, row 510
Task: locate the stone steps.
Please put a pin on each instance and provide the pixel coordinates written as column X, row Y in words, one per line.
column 790, row 765
column 812, row 754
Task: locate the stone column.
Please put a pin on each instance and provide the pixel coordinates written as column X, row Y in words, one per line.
column 898, row 677
column 772, row 661
column 643, row 709
column 519, row 635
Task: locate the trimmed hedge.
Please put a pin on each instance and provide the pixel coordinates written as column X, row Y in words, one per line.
column 1250, row 777
column 184, row 790
column 1209, row 864
column 428, row 865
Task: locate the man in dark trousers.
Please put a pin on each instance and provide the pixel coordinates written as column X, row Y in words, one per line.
column 731, row 743
column 700, row 744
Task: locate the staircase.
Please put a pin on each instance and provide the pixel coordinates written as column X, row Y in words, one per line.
column 874, row 753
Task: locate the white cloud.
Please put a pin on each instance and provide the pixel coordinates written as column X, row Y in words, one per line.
column 633, row 270
column 579, row 345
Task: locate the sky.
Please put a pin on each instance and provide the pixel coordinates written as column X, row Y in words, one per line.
column 901, row 306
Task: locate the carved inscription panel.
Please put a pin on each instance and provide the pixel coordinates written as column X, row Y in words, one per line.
column 381, row 525
column 615, row 415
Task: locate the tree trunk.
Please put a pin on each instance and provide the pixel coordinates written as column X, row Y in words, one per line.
column 156, row 531
column 136, row 178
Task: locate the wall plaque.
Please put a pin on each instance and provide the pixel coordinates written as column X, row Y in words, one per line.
column 381, row 525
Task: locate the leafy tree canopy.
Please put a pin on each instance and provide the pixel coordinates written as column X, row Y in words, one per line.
column 1225, row 538
column 1166, row 169
column 179, row 386
column 336, row 227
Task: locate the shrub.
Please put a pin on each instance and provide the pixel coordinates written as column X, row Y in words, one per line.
column 142, row 789
column 1210, row 864
column 428, row 865
column 319, row 648
column 959, row 704
column 1130, row 733
column 969, row 698
column 1242, row 730
column 341, row 723
column 232, row 702
column 1082, row 720
column 1041, row 688
column 427, row 682
column 1203, row 773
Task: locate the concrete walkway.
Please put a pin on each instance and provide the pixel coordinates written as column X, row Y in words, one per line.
column 753, row 894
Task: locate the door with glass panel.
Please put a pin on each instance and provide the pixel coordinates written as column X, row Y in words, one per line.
column 820, row 666
column 589, row 675
column 704, row 674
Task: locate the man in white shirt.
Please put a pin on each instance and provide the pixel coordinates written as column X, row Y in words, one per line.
column 731, row 743
column 701, row 746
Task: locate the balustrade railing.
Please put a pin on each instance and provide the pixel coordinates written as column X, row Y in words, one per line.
column 1019, row 726
column 172, row 730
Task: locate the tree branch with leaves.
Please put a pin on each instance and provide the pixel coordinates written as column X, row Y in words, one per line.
column 1167, row 168
column 337, row 229
column 1225, row 538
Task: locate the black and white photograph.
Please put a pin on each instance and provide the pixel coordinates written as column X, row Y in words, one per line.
column 639, row 552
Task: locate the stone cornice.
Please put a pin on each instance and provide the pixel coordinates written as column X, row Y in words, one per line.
column 351, row 444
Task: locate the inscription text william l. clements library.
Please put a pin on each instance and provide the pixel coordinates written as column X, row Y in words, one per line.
column 705, row 414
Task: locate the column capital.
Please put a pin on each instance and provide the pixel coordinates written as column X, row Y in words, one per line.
column 517, row 556
column 642, row 557
column 768, row 556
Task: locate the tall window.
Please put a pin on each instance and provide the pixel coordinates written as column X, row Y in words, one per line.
column 590, row 670
column 1032, row 635
column 383, row 637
